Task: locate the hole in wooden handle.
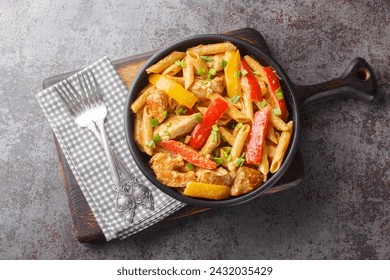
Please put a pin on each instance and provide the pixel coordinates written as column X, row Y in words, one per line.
column 363, row 74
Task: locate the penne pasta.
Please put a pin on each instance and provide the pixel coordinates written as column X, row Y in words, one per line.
column 138, row 129
column 165, row 62
column 179, row 80
column 188, row 73
column 253, row 64
column 232, row 111
column 227, row 135
column 141, row 99
column 281, row 148
column 264, row 164
column 271, row 134
column 212, row 143
column 213, row 48
column 172, row 70
column 238, row 144
column 147, row 131
column 247, row 101
column 278, row 123
column 199, row 65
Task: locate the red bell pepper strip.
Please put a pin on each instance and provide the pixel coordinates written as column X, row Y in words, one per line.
column 188, row 154
column 275, row 90
column 256, row 136
column 250, row 82
column 203, row 129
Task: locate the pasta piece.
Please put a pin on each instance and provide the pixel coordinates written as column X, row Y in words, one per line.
column 264, row 164
column 247, row 101
column 188, row 73
column 253, row 64
column 211, row 144
column 179, row 80
column 165, row 62
column 232, row 111
column 238, row 145
column 141, row 99
column 270, row 147
column 147, row 131
column 213, row 48
column 200, row 65
column 172, row 70
column 281, row 148
column 278, row 123
column 271, row 134
column 138, row 130
column 227, row 135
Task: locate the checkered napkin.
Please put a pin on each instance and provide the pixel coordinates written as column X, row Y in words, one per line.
column 86, row 158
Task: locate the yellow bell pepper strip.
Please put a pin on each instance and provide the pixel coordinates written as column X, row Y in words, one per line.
column 209, row 191
column 232, row 73
column 202, row 130
column 188, row 154
column 275, row 91
column 173, row 89
column 256, row 136
column 250, row 82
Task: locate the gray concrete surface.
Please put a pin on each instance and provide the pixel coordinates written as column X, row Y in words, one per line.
column 340, row 211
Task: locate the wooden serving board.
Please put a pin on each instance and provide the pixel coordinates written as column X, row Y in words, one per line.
column 85, row 225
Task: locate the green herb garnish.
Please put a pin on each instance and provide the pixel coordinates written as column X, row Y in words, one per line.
column 256, row 73
column 223, row 63
column 190, row 166
column 235, row 98
column 200, row 71
column 198, row 118
column 166, row 132
column 150, row 144
column 206, row 58
column 244, row 73
column 165, row 114
column 215, row 128
column 277, row 112
column 218, row 160
column 263, row 103
column 156, row 138
column 212, row 71
column 239, row 125
column 181, row 111
column 180, row 63
column 279, row 93
column 238, row 74
column 153, row 122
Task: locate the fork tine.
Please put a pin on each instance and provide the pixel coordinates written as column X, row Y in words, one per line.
column 65, row 99
column 84, row 92
column 95, row 94
column 73, row 95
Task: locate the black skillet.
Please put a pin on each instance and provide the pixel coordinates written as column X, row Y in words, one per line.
column 358, row 80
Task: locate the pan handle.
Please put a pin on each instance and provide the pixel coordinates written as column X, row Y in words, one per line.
column 358, row 80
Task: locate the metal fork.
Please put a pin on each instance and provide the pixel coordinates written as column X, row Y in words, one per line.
column 88, row 109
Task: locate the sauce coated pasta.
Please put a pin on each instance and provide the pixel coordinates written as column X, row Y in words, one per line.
column 215, row 123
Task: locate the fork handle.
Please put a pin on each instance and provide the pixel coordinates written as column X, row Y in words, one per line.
column 111, row 160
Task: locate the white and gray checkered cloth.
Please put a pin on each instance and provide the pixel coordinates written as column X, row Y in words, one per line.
column 86, row 157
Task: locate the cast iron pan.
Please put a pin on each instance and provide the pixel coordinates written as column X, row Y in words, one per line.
column 358, row 80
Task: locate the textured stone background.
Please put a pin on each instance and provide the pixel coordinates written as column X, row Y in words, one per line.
column 340, row 211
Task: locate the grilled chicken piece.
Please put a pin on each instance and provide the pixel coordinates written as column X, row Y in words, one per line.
column 165, row 167
column 219, row 176
column 247, row 179
column 200, row 89
column 217, row 62
column 175, row 126
column 157, row 103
